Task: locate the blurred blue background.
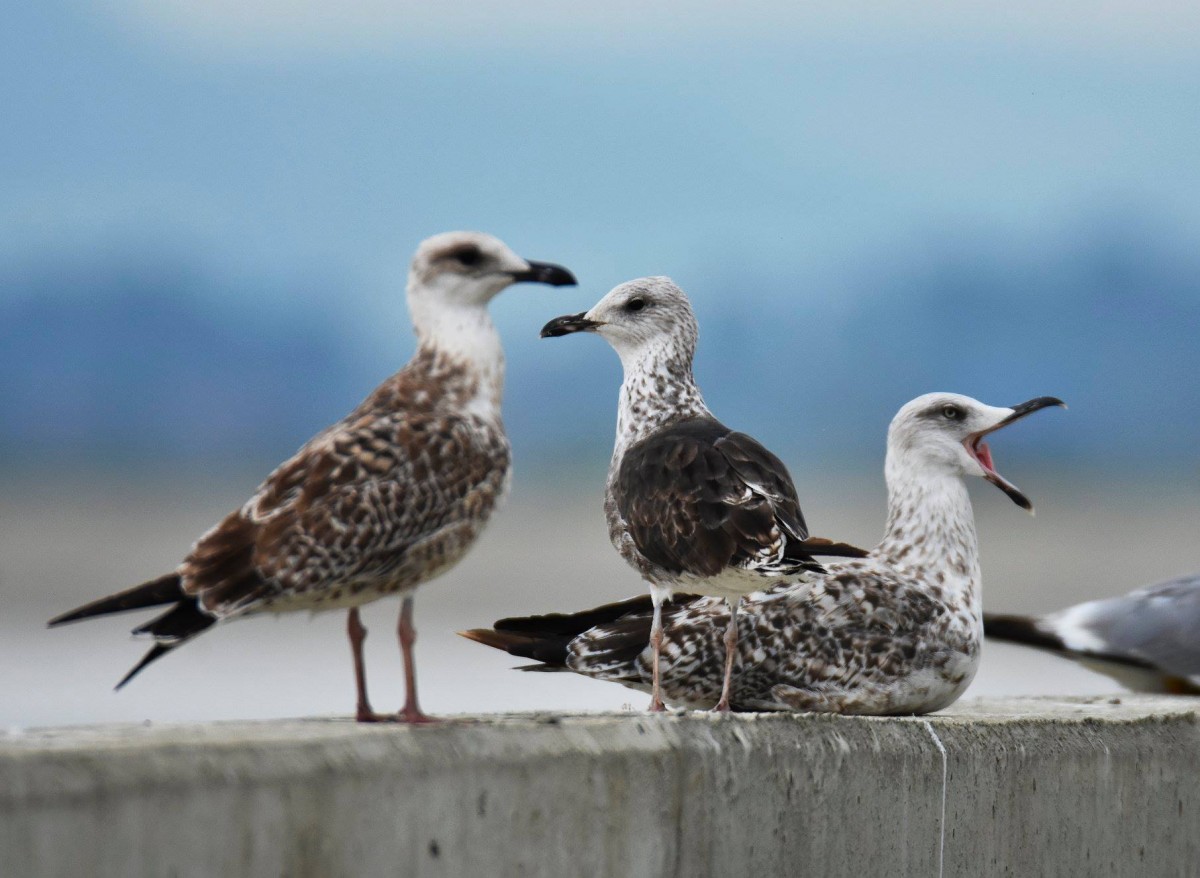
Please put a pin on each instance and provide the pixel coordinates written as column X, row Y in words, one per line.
column 207, row 210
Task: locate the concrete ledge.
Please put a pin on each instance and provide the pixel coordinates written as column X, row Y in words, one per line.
column 1024, row 787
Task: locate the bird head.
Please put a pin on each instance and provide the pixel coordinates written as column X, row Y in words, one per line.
column 470, row 268
column 944, row 433
column 637, row 318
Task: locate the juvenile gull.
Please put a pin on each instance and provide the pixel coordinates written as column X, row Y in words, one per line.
column 896, row 632
column 692, row 505
column 1147, row 640
column 385, row 499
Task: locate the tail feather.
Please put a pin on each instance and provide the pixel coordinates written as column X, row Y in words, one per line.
column 178, row 624
column 577, row 623
column 549, row 649
column 182, row 622
column 822, row 546
column 173, row 628
column 1026, row 631
column 1021, row 629
column 164, row 590
column 156, row 652
column 547, row 639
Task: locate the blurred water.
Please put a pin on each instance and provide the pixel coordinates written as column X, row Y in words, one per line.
column 64, row 542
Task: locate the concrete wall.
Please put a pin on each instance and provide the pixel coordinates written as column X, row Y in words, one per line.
column 1024, row 787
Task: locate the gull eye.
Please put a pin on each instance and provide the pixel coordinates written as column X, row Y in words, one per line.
column 952, row 413
column 468, row 256
column 635, row 304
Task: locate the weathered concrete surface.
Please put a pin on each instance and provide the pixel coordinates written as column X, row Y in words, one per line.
column 1027, row 787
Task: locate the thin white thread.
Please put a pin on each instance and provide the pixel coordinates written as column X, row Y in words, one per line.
column 942, row 824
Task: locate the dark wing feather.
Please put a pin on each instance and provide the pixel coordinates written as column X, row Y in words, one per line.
column 766, row 474
column 698, row 498
column 576, row 623
column 618, row 632
column 220, row 572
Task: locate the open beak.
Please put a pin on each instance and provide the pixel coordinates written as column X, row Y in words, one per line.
column 569, row 323
column 979, row 450
column 545, row 273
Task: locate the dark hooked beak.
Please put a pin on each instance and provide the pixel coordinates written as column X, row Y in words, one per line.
column 545, row 273
column 1022, row 409
column 979, row 450
column 569, row 323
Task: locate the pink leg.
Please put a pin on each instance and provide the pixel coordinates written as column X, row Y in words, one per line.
column 731, row 636
column 358, row 634
column 408, row 636
column 656, row 640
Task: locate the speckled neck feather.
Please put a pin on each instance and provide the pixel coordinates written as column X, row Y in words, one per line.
column 658, row 389
column 931, row 530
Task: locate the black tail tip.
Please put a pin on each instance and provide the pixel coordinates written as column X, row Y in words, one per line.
column 156, row 652
column 164, row 590
column 1019, row 629
column 487, row 636
column 548, row 648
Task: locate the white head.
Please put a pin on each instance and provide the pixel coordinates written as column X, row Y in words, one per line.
column 470, row 268
column 943, row 433
column 647, row 317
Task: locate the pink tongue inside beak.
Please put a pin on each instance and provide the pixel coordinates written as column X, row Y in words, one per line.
column 985, row 456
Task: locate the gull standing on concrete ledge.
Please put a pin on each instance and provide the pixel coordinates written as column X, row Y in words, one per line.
column 387, row 498
column 1147, row 640
column 692, row 505
column 896, row 632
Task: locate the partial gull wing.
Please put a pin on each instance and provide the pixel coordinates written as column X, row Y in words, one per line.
column 698, row 498
column 1148, row 639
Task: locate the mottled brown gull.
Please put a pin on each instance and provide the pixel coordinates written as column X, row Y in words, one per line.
column 693, row 506
column 896, row 632
column 382, row 501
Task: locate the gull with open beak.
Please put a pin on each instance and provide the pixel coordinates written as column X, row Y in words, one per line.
column 979, row 451
column 896, row 632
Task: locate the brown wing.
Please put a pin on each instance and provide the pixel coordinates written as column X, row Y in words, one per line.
column 698, row 498
column 350, row 507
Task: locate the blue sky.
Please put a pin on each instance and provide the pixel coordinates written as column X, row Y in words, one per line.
column 799, row 171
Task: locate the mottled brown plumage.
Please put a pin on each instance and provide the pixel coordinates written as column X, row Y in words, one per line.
column 698, row 498
column 898, row 631
column 690, row 504
column 385, row 499
column 857, row 641
column 389, row 497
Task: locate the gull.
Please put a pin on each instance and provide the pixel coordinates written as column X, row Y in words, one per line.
column 692, row 505
column 384, row 500
column 896, row 632
column 1147, row 640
